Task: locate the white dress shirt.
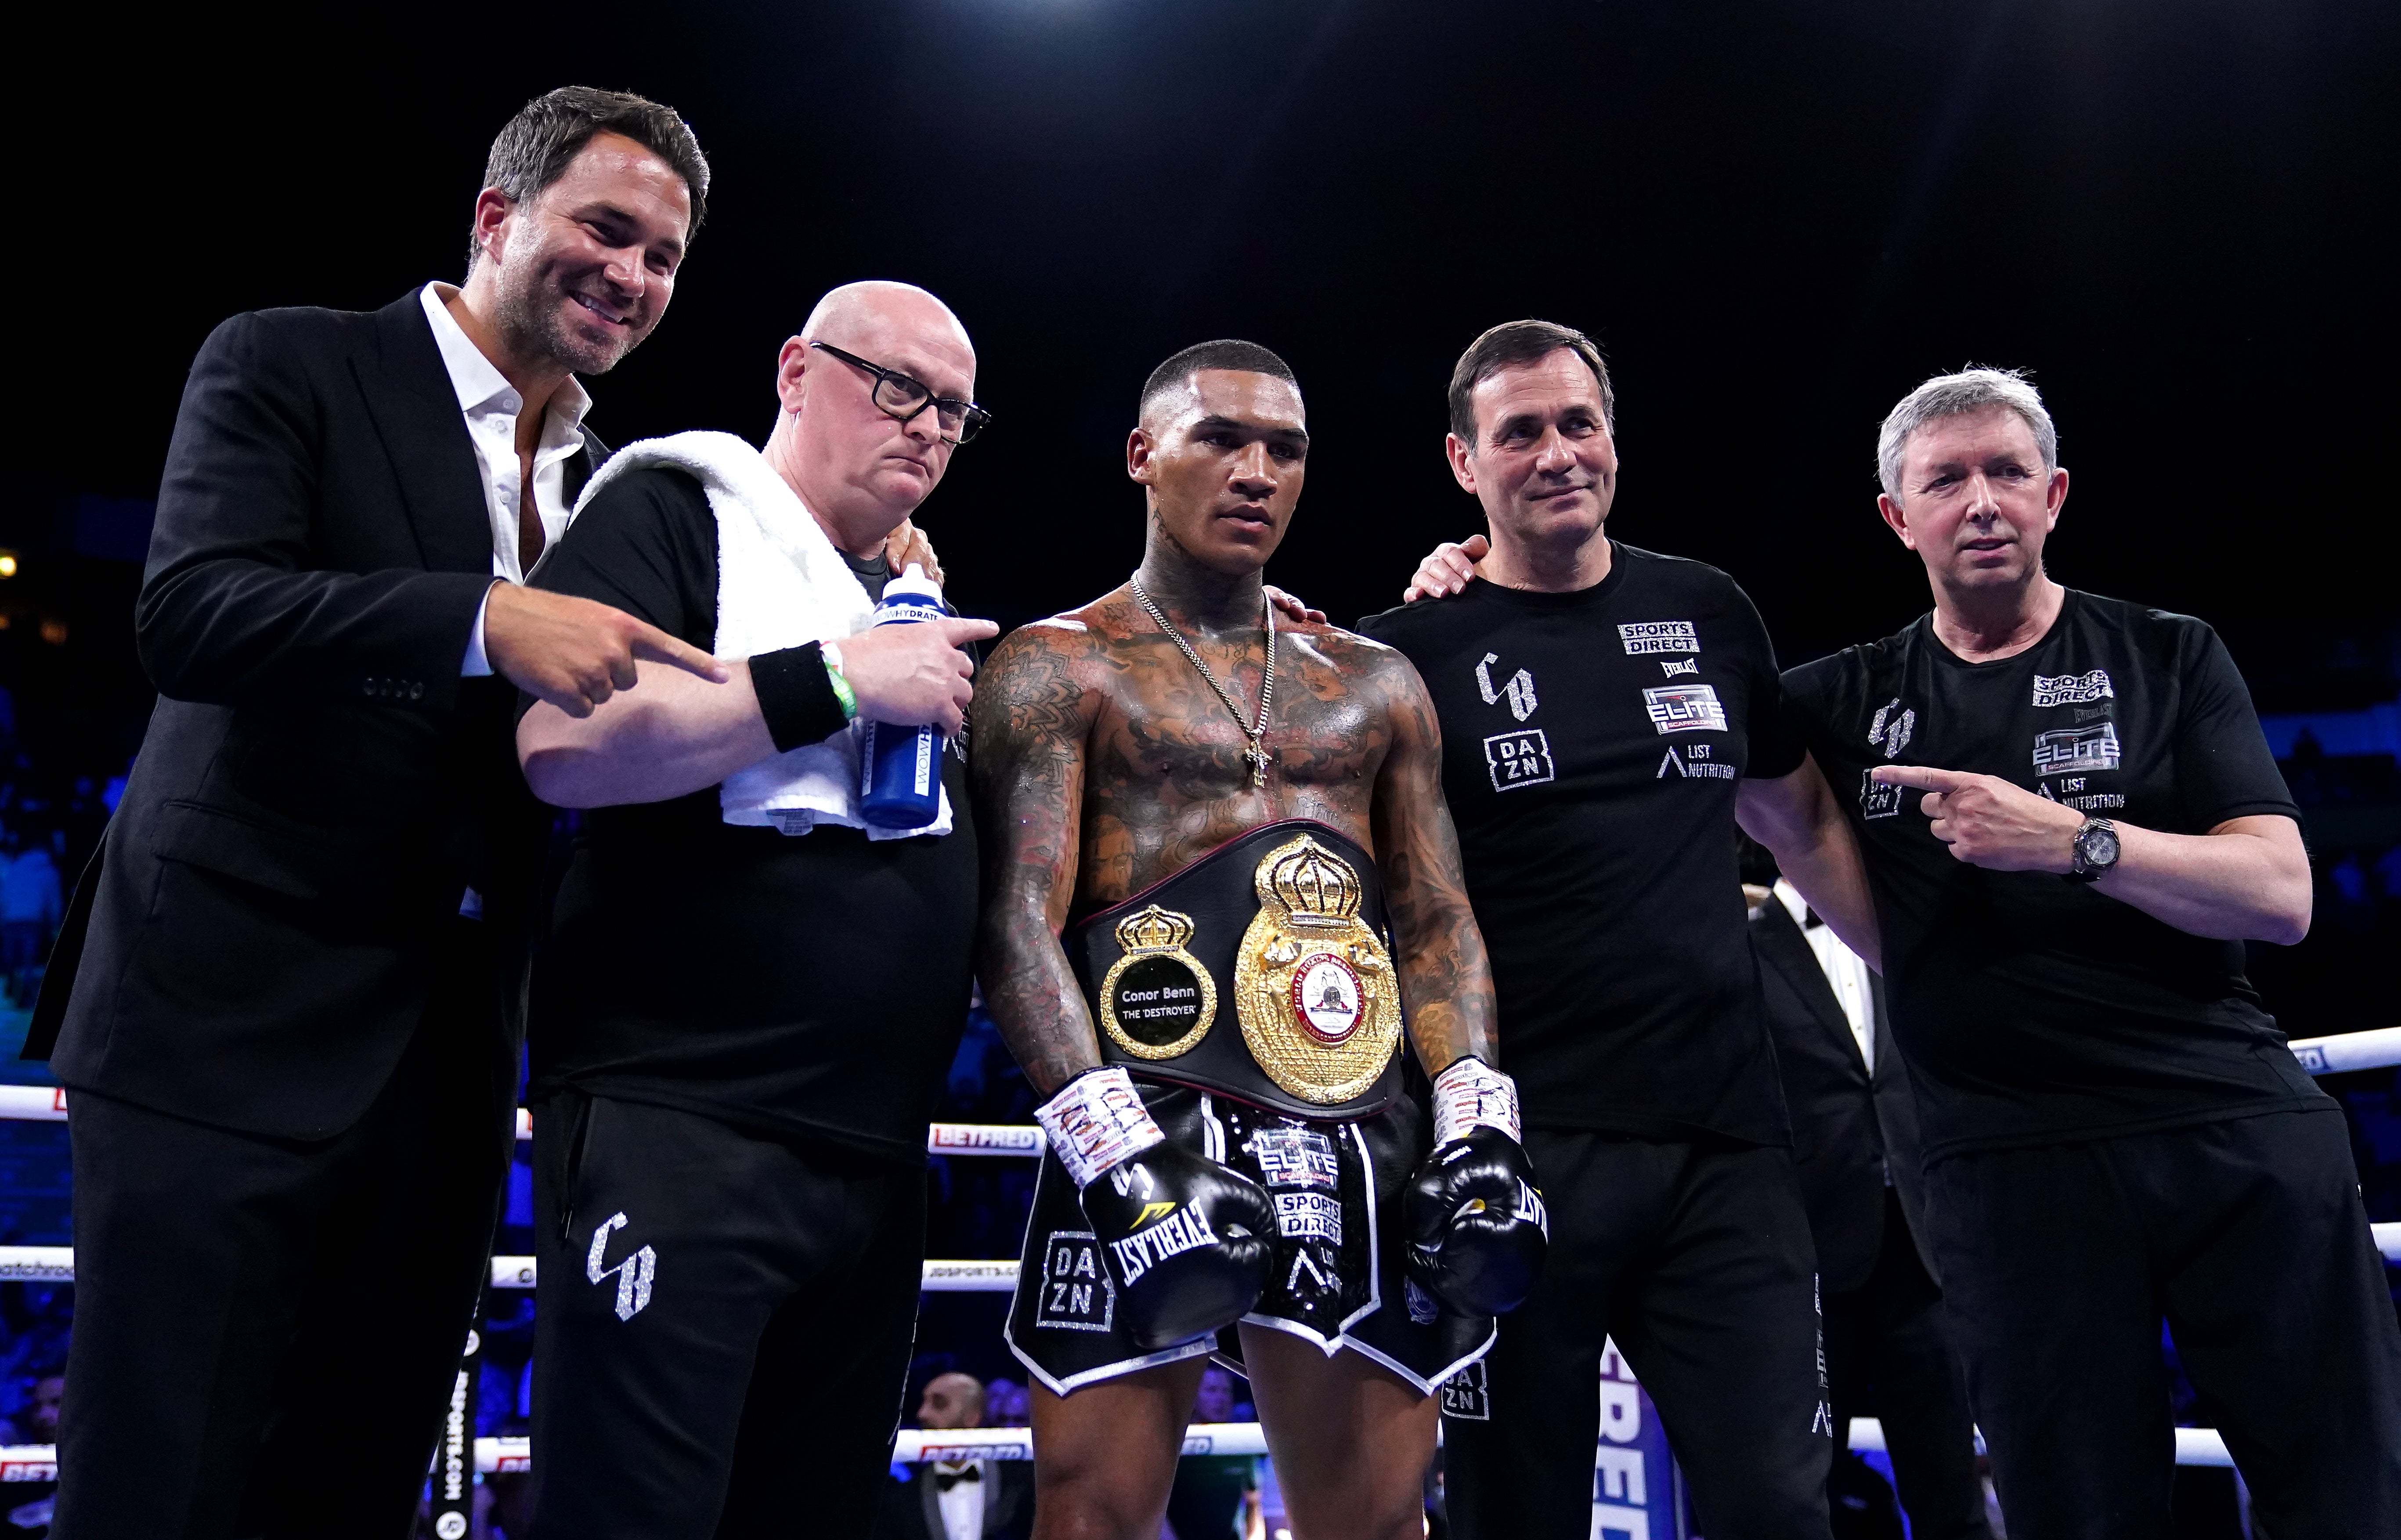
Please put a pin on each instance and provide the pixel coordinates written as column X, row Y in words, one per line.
column 962, row 1506
column 1844, row 969
column 491, row 405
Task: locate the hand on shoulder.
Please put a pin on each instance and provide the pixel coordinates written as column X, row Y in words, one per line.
column 1446, row 570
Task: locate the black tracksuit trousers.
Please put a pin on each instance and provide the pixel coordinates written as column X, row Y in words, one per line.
column 723, row 1327
column 1696, row 1258
column 2249, row 1237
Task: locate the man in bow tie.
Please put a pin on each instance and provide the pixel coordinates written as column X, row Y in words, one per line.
column 962, row 1499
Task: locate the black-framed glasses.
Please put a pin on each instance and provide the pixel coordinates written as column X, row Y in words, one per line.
column 898, row 396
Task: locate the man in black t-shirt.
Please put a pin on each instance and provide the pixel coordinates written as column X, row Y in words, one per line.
column 749, row 996
column 1607, row 715
column 2115, row 1130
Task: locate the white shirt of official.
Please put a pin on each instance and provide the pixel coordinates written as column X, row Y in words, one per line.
column 962, row 1506
column 491, row 405
column 1844, row 969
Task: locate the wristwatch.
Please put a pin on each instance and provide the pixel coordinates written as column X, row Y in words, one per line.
column 2093, row 852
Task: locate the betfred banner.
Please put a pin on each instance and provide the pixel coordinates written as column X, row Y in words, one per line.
column 1633, row 1477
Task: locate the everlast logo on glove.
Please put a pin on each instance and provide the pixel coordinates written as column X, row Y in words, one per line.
column 1186, row 1236
column 1179, row 1233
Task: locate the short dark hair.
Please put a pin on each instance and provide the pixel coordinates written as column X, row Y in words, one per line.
column 544, row 139
column 1514, row 344
column 1227, row 352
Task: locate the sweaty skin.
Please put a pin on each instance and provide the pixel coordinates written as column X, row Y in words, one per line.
column 1105, row 763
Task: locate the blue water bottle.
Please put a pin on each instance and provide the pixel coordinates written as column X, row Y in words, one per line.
column 900, row 768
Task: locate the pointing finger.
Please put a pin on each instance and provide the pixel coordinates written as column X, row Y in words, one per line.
column 1923, row 776
column 651, row 642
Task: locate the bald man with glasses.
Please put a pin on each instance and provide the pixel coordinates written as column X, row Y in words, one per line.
column 750, row 993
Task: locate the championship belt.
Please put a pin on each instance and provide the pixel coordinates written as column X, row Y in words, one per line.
column 1285, row 924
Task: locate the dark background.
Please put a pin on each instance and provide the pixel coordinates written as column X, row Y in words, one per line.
column 1775, row 215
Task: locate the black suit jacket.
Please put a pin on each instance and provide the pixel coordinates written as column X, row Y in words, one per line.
column 1849, row 1129
column 319, row 787
column 912, row 1509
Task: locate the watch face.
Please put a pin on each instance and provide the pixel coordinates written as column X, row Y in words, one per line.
column 2100, row 848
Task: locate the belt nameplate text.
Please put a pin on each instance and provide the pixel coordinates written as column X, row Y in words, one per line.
column 1157, row 1001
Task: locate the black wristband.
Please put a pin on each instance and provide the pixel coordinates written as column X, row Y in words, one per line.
column 796, row 697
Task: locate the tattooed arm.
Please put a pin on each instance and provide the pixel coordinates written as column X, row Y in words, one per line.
column 1030, row 720
column 1446, row 979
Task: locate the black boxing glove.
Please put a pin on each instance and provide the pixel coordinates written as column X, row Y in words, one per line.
column 1186, row 1240
column 1478, row 1228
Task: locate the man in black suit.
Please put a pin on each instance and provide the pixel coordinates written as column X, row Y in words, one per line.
column 1888, row 1351
column 290, row 1001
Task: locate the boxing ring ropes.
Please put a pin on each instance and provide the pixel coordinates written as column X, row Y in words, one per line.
column 2376, row 1050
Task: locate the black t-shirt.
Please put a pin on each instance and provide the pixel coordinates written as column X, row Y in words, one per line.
column 2033, row 1010
column 1592, row 743
column 813, row 984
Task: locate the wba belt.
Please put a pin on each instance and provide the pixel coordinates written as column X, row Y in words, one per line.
column 1261, row 972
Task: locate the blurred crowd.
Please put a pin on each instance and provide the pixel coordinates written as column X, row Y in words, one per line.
column 50, row 823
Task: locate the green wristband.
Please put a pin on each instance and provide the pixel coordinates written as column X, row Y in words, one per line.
column 841, row 691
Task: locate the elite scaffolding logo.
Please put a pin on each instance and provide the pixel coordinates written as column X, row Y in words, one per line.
column 1291, row 1156
column 1684, row 709
column 2072, row 751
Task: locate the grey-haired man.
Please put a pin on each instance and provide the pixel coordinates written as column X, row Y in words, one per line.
column 2115, row 1130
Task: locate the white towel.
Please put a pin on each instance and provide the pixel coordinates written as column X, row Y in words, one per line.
column 780, row 583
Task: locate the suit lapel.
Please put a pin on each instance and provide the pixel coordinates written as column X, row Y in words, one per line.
column 929, row 1495
column 416, row 411
column 1789, row 952
column 1888, row 1068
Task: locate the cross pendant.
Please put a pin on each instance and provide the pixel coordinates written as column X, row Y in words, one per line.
column 1257, row 759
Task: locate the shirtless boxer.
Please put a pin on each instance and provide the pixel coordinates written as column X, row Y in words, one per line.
column 1184, row 805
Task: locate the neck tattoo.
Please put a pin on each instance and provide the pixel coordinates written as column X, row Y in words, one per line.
column 1252, row 755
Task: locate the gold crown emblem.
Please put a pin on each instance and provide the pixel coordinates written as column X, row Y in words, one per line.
column 1311, row 885
column 1154, row 929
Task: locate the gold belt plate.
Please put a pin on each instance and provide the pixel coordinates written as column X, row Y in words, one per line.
column 1157, row 1001
column 1313, row 986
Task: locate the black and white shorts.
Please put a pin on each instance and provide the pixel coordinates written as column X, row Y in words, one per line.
column 1340, row 1273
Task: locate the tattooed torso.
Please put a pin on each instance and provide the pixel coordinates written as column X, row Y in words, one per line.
column 1105, row 763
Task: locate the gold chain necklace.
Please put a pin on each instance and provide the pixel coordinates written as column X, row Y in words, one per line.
column 1252, row 755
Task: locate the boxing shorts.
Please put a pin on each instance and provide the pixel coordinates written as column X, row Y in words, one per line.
column 1253, row 999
